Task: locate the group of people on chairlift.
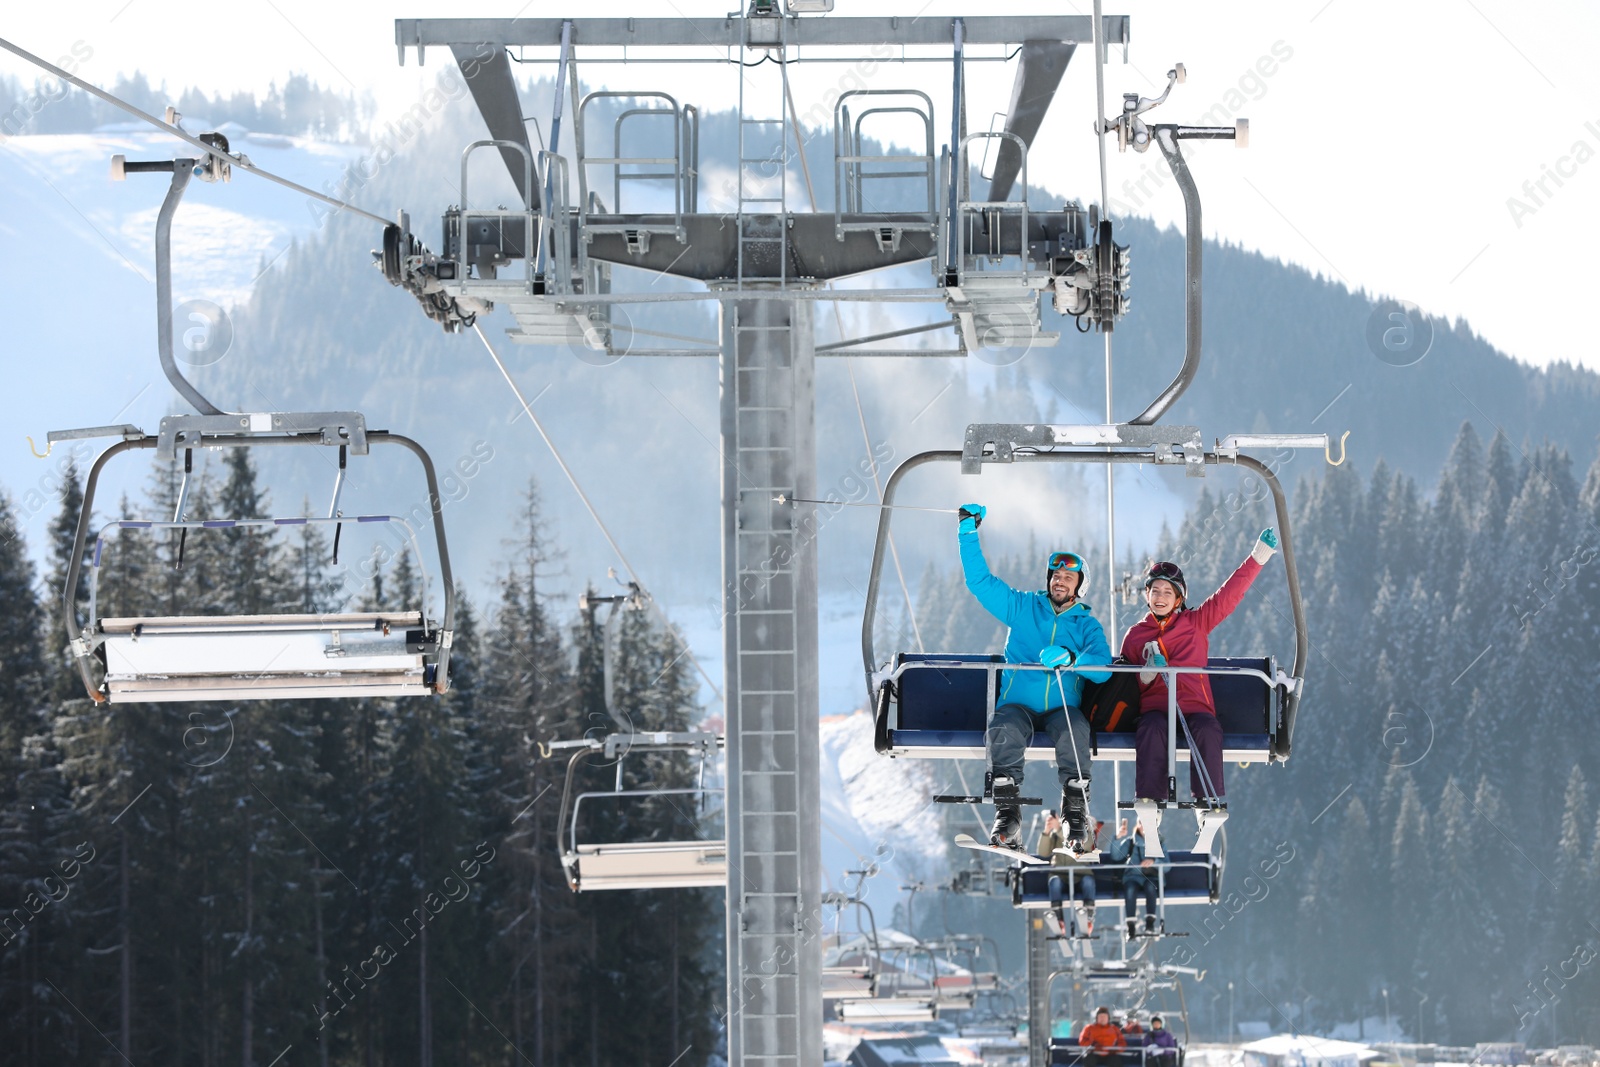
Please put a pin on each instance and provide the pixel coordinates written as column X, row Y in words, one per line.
column 1105, row 1043
column 1139, row 878
column 1053, row 627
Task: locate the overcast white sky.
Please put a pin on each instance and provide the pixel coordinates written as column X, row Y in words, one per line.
column 1384, row 149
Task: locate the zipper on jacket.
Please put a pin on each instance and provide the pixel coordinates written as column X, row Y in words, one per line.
column 1053, row 624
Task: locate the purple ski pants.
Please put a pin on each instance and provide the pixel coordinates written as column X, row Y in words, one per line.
column 1150, row 745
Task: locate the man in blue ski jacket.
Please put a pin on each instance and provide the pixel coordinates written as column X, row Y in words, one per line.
column 1050, row 627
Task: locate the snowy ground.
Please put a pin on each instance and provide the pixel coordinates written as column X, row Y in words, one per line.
column 875, row 811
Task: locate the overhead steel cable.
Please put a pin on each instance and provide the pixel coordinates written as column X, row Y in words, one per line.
column 1105, row 216
column 527, row 409
column 239, row 161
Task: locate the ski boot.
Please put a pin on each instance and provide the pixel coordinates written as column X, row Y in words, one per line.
column 1149, row 925
column 1007, row 829
column 1075, row 810
column 1149, row 815
column 1210, row 819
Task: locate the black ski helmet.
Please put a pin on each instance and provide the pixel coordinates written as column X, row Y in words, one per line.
column 1167, row 572
column 1067, row 561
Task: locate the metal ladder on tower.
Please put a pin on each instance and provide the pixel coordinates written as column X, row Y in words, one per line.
column 766, row 863
column 762, row 224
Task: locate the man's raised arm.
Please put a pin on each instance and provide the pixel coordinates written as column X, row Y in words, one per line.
column 997, row 598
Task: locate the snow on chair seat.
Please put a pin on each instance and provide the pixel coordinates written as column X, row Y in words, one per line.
column 264, row 657
column 936, row 706
column 648, row 865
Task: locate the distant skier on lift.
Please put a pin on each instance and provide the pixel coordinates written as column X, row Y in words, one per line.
column 1176, row 635
column 1052, row 627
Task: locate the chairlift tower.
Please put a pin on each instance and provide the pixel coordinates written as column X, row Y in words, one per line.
column 766, row 265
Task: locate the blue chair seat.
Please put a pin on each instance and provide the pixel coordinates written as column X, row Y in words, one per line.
column 936, row 708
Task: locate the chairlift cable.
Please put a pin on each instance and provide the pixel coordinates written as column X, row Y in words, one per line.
column 1105, row 213
column 595, row 515
column 240, row 161
column 850, row 368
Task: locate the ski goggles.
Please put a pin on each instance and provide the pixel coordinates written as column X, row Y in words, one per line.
column 1069, row 561
column 1164, row 571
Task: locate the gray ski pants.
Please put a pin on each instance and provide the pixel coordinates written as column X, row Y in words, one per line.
column 1012, row 726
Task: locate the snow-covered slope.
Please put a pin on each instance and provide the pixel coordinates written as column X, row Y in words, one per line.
column 877, row 811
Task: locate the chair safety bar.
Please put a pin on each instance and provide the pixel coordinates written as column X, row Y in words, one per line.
column 242, row 524
column 1066, row 1052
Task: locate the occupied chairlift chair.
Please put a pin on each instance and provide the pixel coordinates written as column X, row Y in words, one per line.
column 1129, row 984
column 936, row 705
column 258, row 657
column 589, row 866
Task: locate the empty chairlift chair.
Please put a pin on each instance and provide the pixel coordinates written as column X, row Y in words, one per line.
column 259, row 656
column 675, row 864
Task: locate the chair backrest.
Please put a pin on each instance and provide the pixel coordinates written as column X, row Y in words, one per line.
column 933, row 697
column 1245, row 704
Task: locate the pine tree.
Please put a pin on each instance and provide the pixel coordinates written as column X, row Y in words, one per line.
column 35, row 819
column 525, row 698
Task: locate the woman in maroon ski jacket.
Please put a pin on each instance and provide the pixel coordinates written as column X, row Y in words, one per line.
column 1180, row 636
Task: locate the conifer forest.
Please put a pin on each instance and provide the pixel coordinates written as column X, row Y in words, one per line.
column 366, row 882
column 376, row 882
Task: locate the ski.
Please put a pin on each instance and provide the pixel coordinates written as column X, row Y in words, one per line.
column 1015, row 855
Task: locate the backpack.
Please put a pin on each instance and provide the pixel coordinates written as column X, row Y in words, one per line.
column 1112, row 706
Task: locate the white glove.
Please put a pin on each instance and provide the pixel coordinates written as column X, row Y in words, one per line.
column 1265, row 547
column 1152, row 657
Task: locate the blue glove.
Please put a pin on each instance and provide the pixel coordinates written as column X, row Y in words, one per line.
column 972, row 517
column 1269, row 537
column 1056, row 656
